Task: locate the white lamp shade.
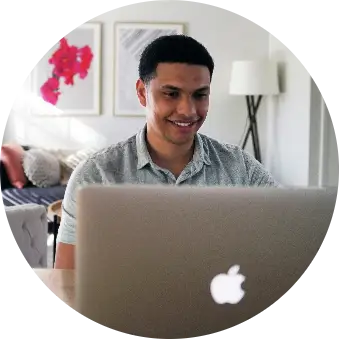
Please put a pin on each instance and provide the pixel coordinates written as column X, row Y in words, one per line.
column 254, row 78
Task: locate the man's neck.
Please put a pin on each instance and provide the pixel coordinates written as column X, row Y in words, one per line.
column 168, row 155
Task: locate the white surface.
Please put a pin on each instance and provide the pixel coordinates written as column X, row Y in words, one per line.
column 254, row 77
column 330, row 166
column 302, row 148
column 322, row 144
column 289, row 123
column 226, row 287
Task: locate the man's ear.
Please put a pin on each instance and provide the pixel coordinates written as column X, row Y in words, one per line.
column 141, row 92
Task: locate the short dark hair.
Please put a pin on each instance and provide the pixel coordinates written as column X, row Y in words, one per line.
column 173, row 49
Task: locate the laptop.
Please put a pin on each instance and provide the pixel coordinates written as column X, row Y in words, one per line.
column 176, row 262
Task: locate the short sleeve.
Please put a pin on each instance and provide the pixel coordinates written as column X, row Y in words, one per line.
column 258, row 175
column 85, row 173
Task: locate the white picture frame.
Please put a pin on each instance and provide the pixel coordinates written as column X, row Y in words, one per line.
column 130, row 39
column 84, row 98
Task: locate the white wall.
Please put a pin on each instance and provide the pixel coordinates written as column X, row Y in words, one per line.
column 324, row 143
column 3, row 125
column 329, row 160
column 299, row 151
column 227, row 37
column 289, row 120
column 316, row 116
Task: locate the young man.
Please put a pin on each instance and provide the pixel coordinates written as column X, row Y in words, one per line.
column 175, row 74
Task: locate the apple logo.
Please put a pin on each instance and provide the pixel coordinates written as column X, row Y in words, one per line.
column 226, row 287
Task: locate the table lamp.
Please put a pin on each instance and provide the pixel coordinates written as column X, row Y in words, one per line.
column 254, row 79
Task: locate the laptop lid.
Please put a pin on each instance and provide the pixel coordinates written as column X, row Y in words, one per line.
column 177, row 262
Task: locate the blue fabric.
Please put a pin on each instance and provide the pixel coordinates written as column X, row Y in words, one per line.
column 41, row 196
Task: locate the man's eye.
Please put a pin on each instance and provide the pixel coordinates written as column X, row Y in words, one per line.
column 200, row 95
column 172, row 94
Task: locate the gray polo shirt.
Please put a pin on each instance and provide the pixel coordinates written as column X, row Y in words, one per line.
column 129, row 162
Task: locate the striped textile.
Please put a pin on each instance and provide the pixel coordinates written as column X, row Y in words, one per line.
column 36, row 195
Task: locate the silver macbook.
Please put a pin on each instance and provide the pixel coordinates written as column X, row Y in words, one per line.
column 178, row 262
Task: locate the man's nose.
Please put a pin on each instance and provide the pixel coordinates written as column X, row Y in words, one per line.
column 186, row 107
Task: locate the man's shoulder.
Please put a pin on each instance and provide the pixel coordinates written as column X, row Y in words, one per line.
column 216, row 148
column 114, row 152
column 236, row 160
column 107, row 159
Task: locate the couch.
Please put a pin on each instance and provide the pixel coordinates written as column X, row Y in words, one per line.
column 28, row 223
column 12, row 196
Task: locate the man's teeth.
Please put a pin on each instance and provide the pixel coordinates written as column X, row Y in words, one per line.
column 182, row 124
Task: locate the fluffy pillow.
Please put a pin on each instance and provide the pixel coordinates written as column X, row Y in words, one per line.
column 73, row 160
column 65, row 170
column 41, row 168
column 11, row 158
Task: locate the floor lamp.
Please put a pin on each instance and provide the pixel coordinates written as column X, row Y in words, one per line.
column 253, row 79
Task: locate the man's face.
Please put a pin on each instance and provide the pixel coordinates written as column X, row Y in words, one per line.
column 177, row 100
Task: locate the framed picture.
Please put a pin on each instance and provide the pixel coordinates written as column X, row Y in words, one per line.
column 69, row 75
column 130, row 40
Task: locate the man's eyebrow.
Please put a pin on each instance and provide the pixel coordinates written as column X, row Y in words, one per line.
column 174, row 88
column 170, row 87
column 203, row 89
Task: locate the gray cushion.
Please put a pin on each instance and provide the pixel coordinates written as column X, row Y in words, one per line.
column 41, row 168
column 29, row 226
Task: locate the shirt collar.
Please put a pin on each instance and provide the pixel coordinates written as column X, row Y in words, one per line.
column 144, row 158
